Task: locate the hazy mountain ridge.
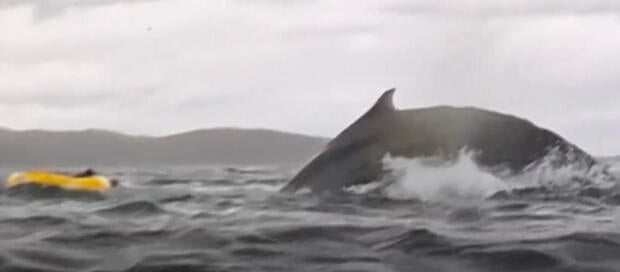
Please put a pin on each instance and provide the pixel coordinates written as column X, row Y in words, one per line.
column 205, row 146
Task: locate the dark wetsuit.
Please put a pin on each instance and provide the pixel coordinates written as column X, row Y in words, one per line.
column 89, row 172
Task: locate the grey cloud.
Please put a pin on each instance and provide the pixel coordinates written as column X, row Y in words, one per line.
column 76, row 100
column 56, row 100
column 46, row 9
column 331, row 31
column 276, row 2
column 508, row 8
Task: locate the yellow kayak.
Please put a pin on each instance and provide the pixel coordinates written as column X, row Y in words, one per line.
column 93, row 183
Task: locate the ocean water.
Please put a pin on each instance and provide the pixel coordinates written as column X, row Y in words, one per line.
column 216, row 218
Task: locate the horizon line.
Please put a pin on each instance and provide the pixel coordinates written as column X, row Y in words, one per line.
column 163, row 135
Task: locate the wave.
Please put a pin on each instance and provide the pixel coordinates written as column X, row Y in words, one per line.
column 242, row 224
column 135, row 208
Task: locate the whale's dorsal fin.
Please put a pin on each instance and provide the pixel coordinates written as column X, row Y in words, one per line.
column 368, row 124
column 384, row 103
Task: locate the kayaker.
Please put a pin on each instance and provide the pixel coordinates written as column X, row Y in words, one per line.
column 87, row 173
column 90, row 172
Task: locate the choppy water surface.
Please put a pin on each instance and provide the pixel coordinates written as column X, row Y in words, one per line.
column 233, row 219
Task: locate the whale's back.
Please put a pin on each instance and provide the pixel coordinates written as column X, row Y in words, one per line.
column 499, row 139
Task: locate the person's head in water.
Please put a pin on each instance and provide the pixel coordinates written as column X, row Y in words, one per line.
column 113, row 182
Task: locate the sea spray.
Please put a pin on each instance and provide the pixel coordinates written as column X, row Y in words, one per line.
column 437, row 179
column 433, row 179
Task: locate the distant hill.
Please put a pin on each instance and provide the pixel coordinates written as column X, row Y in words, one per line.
column 208, row 146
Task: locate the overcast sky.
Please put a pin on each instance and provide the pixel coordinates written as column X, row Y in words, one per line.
column 308, row 66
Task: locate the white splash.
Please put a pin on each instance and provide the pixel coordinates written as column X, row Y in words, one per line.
column 433, row 179
column 363, row 189
column 566, row 177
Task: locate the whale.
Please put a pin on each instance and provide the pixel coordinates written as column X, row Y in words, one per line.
column 496, row 140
